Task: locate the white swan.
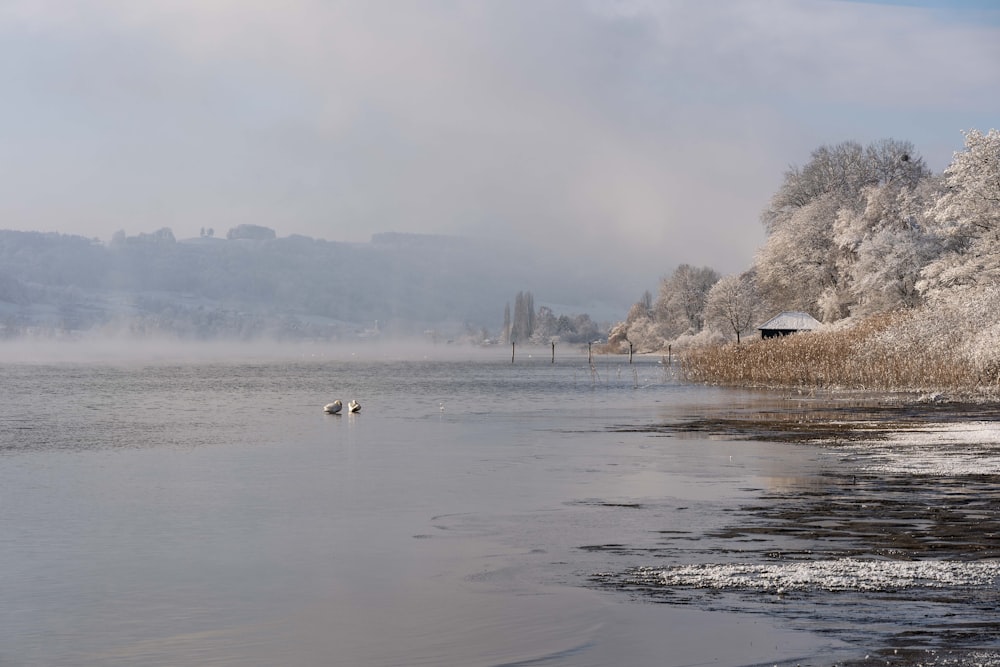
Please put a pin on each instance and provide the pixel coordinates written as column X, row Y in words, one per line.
column 353, row 406
column 333, row 408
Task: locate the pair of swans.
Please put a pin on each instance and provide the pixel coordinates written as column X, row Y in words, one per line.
column 335, row 407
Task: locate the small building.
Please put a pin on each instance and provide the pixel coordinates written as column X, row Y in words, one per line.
column 786, row 323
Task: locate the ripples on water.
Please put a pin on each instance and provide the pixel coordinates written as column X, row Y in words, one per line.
column 209, row 512
column 208, row 509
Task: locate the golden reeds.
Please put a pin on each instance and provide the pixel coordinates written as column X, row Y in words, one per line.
column 870, row 355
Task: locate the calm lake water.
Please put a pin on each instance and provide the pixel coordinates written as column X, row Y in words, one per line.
column 475, row 512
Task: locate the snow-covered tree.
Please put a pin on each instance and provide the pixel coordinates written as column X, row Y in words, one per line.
column 680, row 306
column 797, row 263
column 578, row 329
column 885, row 245
column 646, row 303
column 733, row 304
column 546, row 325
column 505, row 335
column 802, row 265
column 639, row 327
column 967, row 218
column 523, row 324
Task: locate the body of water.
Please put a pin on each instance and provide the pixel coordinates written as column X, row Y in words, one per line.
column 475, row 512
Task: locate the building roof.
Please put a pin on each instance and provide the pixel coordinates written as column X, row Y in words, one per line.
column 791, row 321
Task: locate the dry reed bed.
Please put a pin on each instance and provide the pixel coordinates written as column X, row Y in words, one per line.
column 878, row 354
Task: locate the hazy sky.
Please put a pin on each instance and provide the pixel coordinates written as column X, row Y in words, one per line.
column 627, row 134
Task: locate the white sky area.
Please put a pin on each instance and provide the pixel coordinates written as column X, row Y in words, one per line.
column 628, row 134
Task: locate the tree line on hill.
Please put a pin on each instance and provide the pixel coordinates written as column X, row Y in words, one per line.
column 253, row 284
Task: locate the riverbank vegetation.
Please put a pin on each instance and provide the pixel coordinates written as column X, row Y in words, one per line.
column 901, row 265
column 949, row 345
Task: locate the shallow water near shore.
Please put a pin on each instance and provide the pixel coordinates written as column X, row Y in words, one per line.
column 479, row 512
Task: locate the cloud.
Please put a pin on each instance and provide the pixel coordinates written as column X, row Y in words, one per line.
column 630, row 136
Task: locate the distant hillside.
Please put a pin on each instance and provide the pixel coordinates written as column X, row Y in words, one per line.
column 253, row 283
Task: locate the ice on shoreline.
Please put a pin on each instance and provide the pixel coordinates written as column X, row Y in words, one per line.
column 944, row 449
column 845, row 574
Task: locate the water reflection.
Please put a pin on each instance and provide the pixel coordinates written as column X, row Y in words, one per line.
column 889, row 529
column 210, row 513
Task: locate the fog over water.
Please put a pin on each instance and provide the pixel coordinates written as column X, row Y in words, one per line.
column 115, row 349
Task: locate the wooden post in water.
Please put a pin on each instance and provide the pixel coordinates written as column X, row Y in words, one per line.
column 669, row 357
column 630, row 352
column 512, row 352
column 590, row 353
column 553, row 352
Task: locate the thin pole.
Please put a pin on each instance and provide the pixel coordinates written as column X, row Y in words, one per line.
column 553, row 352
column 512, row 352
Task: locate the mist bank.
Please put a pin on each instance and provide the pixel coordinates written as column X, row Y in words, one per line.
column 101, row 349
column 254, row 285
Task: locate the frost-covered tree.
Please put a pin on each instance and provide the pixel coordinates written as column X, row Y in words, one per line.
column 505, row 336
column 546, row 325
column 680, row 306
column 733, row 304
column 885, row 245
column 802, row 264
column 564, row 328
column 637, row 312
column 797, row 263
column 646, row 303
column 578, row 329
column 967, row 218
column 639, row 328
column 523, row 324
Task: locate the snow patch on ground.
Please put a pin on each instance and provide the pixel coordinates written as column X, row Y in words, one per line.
column 947, row 450
column 847, row 574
